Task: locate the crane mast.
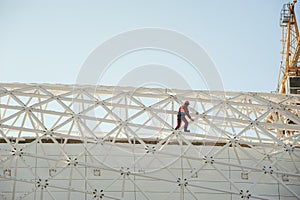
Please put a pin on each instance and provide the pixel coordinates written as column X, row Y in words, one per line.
column 289, row 74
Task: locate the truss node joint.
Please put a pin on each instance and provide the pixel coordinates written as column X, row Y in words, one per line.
column 150, row 149
column 268, row 170
column 245, row 194
column 16, row 152
column 73, row 162
column 182, row 182
column 289, row 148
column 208, row 159
column 125, row 171
column 43, row 184
column 98, row 194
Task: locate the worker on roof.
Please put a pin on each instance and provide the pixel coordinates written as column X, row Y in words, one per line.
column 182, row 112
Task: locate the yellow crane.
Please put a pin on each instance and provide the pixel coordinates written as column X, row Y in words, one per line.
column 289, row 74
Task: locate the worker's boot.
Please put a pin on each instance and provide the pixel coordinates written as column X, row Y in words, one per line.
column 186, row 130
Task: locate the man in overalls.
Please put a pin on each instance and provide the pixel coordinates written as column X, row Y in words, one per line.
column 182, row 112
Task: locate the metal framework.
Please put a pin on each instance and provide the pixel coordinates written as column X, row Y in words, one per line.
column 289, row 65
column 98, row 142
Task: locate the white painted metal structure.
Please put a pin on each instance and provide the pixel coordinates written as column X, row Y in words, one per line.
column 96, row 142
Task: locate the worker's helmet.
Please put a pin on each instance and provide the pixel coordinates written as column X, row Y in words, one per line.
column 187, row 103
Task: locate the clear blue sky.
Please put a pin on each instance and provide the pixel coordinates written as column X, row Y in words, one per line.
column 48, row 41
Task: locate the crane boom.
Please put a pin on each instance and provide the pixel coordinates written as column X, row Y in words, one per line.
column 289, row 75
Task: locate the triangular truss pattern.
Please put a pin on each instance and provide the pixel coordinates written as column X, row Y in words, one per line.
column 100, row 142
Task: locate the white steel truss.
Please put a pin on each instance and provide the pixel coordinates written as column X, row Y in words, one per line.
column 98, row 142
